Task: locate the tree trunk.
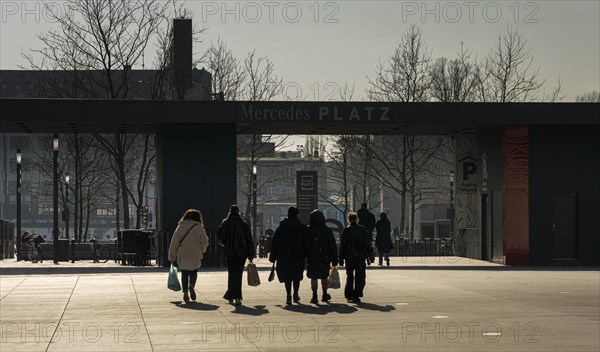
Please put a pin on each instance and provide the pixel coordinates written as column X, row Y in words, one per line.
column 403, row 190
column 117, row 208
column 76, row 222
column 413, row 183
column 250, row 179
column 87, row 219
column 77, row 216
column 124, row 195
column 412, row 212
column 142, row 180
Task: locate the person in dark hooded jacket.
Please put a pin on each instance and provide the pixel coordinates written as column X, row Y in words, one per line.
column 355, row 249
column 321, row 253
column 383, row 241
column 288, row 252
column 235, row 235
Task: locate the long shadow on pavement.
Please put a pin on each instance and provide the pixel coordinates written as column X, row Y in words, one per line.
column 321, row 309
column 375, row 307
column 248, row 310
column 195, row 305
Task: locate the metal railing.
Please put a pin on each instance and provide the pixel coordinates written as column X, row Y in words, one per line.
column 404, row 247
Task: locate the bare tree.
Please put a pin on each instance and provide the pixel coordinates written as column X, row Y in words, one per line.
column 454, row 80
column 507, row 73
column 87, row 169
column 92, row 53
column 589, row 97
column 346, row 92
column 400, row 162
column 253, row 149
column 262, row 84
column 144, row 164
column 340, row 184
column 555, row 93
column 405, row 75
column 228, row 75
column 117, row 146
column 103, row 36
column 360, row 168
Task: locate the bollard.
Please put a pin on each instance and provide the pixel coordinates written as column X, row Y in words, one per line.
column 72, row 250
column 18, row 247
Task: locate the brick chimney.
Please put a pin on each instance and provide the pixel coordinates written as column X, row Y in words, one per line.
column 182, row 56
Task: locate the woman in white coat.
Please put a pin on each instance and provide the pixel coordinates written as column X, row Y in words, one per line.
column 187, row 249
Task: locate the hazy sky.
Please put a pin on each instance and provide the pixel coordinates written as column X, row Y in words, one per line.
column 314, row 43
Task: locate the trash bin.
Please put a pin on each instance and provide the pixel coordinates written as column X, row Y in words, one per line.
column 134, row 247
column 64, row 251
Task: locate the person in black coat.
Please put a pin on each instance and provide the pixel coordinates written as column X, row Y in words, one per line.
column 355, row 248
column 287, row 249
column 235, row 235
column 383, row 241
column 366, row 218
column 321, row 253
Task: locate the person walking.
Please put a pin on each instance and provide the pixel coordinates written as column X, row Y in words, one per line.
column 355, row 248
column 383, row 241
column 236, row 238
column 321, row 252
column 366, row 219
column 288, row 252
column 187, row 248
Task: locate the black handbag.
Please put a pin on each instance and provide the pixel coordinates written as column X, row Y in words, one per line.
column 272, row 274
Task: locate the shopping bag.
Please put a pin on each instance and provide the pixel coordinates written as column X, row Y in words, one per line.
column 333, row 281
column 253, row 278
column 272, row 274
column 173, row 282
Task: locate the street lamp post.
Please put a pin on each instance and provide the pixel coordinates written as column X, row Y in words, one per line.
column 66, row 210
column 18, row 204
column 254, row 176
column 66, row 215
column 55, row 213
column 451, row 203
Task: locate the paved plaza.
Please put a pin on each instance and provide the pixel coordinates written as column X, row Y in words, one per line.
column 418, row 304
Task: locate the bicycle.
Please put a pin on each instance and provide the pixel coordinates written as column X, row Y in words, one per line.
column 34, row 251
column 100, row 252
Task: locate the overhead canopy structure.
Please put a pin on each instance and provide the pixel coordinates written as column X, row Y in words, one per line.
column 143, row 116
column 527, row 192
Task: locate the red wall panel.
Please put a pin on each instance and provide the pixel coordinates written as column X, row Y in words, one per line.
column 516, row 195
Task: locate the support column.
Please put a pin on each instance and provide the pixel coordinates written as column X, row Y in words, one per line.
column 516, row 195
column 196, row 169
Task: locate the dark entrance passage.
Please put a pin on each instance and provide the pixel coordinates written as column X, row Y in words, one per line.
column 496, row 226
column 484, row 227
column 564, row 226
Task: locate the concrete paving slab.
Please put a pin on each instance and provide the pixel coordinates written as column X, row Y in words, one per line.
column 419, row 304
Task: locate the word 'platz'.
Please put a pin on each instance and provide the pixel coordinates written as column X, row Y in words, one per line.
column 367, row 113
